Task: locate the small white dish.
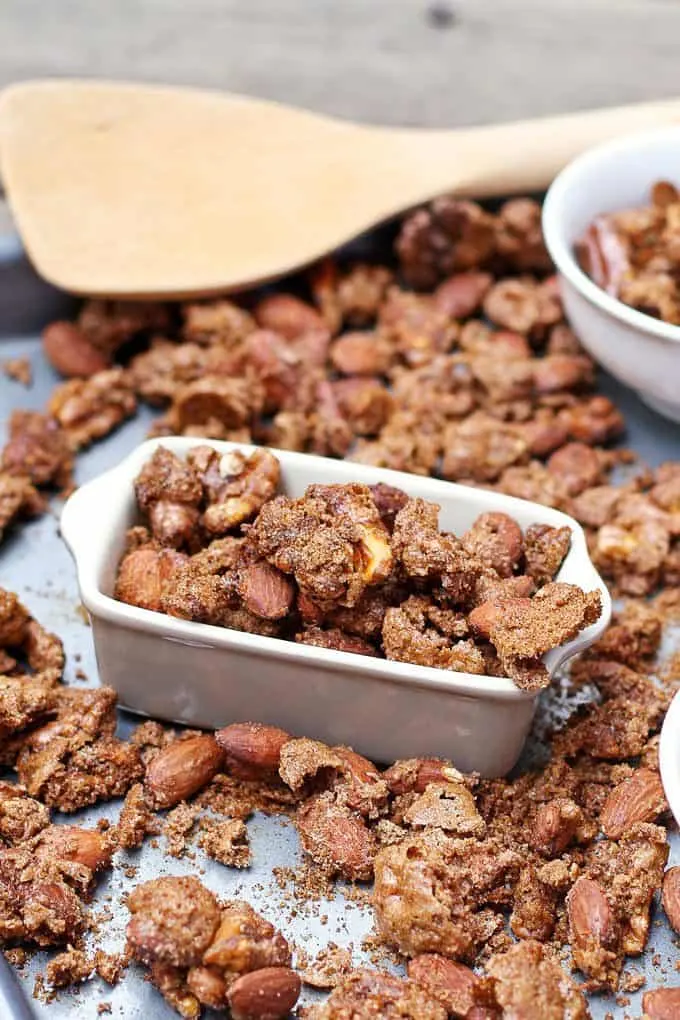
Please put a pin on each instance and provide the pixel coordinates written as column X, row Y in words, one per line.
column 209, row 676
column 669, row 756
column 641, row 351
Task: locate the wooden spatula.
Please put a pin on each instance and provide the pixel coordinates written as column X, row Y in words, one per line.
column 143, row 191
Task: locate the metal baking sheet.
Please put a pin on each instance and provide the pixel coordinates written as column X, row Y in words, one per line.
column 35, row 563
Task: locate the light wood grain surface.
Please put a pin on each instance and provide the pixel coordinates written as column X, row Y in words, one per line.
column 382, row 61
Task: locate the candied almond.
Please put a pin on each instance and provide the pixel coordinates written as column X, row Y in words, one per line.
column 182, row 769
column 287, row 315
column 265, row 590
column 671, row 897
column 637, row 799
column 70, row 352
column 266, row 994
column 252, row 750
column 89, row 847
column 661, row 1004
column 451, row 983
column 592, row 931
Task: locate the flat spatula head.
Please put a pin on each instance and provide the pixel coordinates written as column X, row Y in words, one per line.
column 145, row 191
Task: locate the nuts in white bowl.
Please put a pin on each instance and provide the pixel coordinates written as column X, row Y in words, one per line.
column 208, row 675
column 638, row 349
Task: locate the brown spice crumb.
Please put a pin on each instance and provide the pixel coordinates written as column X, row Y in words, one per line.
column 71, row 967
column 328, row 968
column 177, row 828
column 111, row 966
column 18, row 369
column 226, row 842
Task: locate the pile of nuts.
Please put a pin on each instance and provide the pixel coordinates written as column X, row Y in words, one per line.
column 634, row 254
column 356, row 568
column 458, row 364
column 567, row 856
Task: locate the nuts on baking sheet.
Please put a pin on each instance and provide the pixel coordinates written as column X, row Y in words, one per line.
column 567, row 855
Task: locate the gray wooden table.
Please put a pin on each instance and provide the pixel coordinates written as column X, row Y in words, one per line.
column 430, row 62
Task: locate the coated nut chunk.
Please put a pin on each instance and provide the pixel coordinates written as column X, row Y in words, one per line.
column 367, row 994
column 424, row 552
column 237, row 486
column 73, row 771
column 23, row 702
column 18, row 498
column 529, row 983
column 671, row 897
column 661, row 1003
column 88, row 409
column 433, row 894
column 544, row 550
column 332, row 541
column 245, row 941
column 69, row 351
column 496, row 540
column 37, row 449
column 421, row 632
column 335, row 837
column 168, row 490
column 173, row 921
column 36, row 903
column 447, row 236
column 523, row 629
column 452, row 984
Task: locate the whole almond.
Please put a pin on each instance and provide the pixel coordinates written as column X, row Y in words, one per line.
column 252, row 750
column 266, row 994
column 453, row 984
column 463, row 293
column 266, row 591
column 593, row 932
column 288, row 315
column 637, row 799
column 589, row 912
column 361, row 354
column 671, row 897
column 69, row 351
column 181, row 769
column 89, row 847
column 661, row 1004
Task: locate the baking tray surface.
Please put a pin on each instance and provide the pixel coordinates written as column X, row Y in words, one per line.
column 35, row 563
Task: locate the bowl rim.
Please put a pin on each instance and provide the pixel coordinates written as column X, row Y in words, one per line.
column 78, row 536
column 557, row 197
column 669, row 756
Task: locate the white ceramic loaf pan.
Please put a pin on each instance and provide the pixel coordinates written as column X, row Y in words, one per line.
column 209, row 676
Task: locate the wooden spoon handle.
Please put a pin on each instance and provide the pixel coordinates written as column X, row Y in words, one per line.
column 516, row 157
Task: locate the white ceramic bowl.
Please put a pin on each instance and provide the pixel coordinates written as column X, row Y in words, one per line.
column 641, row 351
column 209, row 676
column 669, row 756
